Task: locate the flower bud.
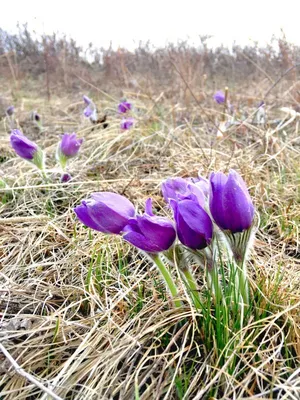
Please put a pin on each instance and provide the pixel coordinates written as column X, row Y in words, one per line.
column 105, row 212
column 193, row 225
column 150, row 233
column 230, row 203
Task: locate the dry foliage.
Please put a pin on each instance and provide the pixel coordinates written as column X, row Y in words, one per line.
column 84, row 313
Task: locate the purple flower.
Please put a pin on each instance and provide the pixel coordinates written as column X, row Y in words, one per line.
column 193, row 225
column 219, row 97
column 230, row 203
column 180, row 189
column 66, row 177
column 87, row 100
column 88, row 111
column 124, row 107
column 105, row 212
column 203, row 184
column 70, row 145
column 150, row 233
column 127, row 123
column 10, row 110
column 35, row 117
column 24, row 147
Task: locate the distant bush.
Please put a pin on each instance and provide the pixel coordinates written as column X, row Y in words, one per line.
column 61, row 60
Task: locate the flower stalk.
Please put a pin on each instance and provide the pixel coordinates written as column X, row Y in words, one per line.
column 156, row 258
column 191, row 285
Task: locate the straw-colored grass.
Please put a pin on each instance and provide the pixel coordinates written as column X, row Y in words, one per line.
column 88, row 317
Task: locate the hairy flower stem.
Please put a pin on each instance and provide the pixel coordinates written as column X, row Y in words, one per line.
column 191, row 285
column 167, row 277
column 225, row 104
column 44, row 175
column 240, row 244
column 243, row 282
column 214, row 283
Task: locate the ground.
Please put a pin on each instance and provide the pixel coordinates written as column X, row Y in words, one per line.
column 86, row 314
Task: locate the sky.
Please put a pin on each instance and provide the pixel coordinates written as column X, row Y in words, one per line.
column 126, row 22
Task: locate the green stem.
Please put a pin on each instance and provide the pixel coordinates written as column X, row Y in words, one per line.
column 225, row 104
column 214, row 283
column 167, row 278
column 44, row 175
column 191, row 284
column 243, row 283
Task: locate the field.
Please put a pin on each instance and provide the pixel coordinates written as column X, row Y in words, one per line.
column 86, row 315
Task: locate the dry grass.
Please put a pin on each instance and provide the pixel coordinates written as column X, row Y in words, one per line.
column 88, row 317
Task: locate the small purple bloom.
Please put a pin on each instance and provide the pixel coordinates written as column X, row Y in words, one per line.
column 10, row 110
column 105, row 212
column 127, row 123
column 203, row 184
column 24, row 147
column 35, row 117
column 193, row 225
column 219, row 97
column 230, row 203
column 124, row 107
column 66, row 177
column 70, row 145
column 180, row 189
column 88, row 111
column 150, row 233
column 87, row 100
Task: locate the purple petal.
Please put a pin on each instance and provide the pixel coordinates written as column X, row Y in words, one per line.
column 219, row 97
column 87, row 100
column 24, row 147
column 158, row 230
column 70, row 145
column 148, row 207
column 88, row 111
column 194, row 226
column 83, row 215
column 10, row 110
column 106, row 212
column 237, row 204
column 124, row 107
column 115, row 201
column 230, row 203
column 126, row 123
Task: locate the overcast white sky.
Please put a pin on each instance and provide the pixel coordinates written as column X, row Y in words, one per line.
column 125, row 22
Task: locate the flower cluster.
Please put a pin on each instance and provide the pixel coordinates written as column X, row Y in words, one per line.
column 127, row 122
column 90, row 110
column 202, row 210
column 67, row 148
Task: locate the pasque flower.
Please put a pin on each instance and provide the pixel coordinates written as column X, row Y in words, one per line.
column 68, row 147
column 105, row 212
column 66, row 177
column 124, row 106
column 10, row 110
column 150, row 233
column 180, row 189
column 87, row 100
column 127, row 123
column 90, row 111
column 230, row 203
column 26, row 149
column 219, row 97
column 193, row 225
